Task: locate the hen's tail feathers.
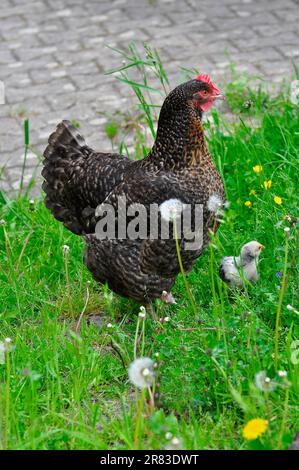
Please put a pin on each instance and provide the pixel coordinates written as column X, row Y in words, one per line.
column 65, row 150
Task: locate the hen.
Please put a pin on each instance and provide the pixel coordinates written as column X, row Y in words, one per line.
column 81, row 185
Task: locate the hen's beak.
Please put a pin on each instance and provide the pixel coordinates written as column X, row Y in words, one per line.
column 262, row 247
column 219, row 96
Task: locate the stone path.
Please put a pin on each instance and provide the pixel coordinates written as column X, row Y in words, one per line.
column 53, row 58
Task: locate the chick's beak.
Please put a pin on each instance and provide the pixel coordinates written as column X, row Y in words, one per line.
column 262, row 247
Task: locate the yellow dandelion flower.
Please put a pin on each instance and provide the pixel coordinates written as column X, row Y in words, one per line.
column 277, row 200
column 257, row 169
column 255, row 428
column 267, row 184
column 252, row 192
column 247, row 203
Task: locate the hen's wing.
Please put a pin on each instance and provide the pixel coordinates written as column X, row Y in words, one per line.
column 157, row 256
column 77, row 179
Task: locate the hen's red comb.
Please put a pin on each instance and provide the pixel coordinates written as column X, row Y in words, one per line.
column 207, row 79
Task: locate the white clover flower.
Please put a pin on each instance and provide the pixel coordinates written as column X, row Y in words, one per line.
column 168, row 436
column 65, row 250
column 141, row 372
column 2, row 222
column 109, row 325
column 286, row 229
column 282, row 373
column 156, row 354
column 264, row 383
column 167, row 319
column 171, row 209
column 215, row 204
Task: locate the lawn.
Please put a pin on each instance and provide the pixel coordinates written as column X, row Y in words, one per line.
column 64, row 383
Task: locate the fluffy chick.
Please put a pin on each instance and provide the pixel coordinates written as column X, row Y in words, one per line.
column 235, row 271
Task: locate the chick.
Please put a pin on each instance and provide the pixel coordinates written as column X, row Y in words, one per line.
column 235, row 271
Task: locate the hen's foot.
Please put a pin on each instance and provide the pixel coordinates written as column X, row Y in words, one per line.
column 168, row 298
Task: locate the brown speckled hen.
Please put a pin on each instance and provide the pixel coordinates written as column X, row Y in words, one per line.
column 179, row 166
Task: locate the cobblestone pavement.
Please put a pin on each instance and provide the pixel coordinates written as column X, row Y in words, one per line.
column 53, row 57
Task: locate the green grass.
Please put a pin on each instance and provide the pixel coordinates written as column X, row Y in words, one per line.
column 62, row 390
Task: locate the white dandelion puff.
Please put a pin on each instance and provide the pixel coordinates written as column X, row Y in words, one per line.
column 141, row 372
column 5, row 347
column 142, row 312
column 174, row 444
column 171, row 209
column 264, row 383
column 65, row 250
column 215, row 204
column 282, row 373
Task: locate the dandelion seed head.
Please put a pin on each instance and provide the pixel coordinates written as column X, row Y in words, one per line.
column 171, row 209
column 142, row 312
column 65, row 250
column 264, row 383
column 215, row 203
column 174, row 444
column 282, row 373
column 141, row 372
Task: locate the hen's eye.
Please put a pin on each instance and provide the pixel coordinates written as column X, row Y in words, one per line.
column 204, row 93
